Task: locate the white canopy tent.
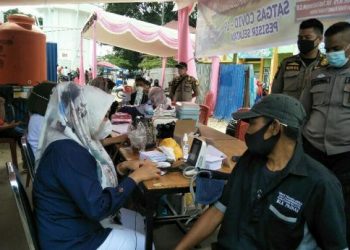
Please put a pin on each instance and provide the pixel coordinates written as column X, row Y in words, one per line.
column 132, row 34
column 180, row 3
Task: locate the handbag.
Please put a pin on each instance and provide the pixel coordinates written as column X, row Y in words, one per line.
column 165, row 130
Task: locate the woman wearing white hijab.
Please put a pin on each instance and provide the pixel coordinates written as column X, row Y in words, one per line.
column 76, row 185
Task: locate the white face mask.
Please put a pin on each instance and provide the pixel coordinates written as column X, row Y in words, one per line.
column 104, row 130
column 139, row 89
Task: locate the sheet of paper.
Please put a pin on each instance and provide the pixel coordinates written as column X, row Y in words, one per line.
column 120, row 128
column 212, row 151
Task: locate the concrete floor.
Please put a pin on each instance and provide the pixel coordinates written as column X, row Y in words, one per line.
column 11, row 232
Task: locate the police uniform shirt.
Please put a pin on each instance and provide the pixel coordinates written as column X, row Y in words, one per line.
column 302, row 206
column 294, row 74
column 326, row 100
column 181, row 88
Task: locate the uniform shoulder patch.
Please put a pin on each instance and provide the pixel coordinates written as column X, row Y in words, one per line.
column 192, row 80
column 323, row 62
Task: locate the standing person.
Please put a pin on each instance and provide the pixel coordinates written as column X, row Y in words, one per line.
column 86, row 77
column 183, row 87
column 327, row 103
column 295, row 71
column 76, row 185
column 90, row 74
column 277, row 197
column 156, row 83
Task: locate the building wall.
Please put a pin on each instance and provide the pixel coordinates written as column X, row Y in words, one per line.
column 62, row 24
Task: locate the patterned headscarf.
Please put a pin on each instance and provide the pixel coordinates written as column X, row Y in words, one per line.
column 157, row 96
column 76, row 112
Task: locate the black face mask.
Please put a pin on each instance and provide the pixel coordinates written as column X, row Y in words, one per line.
column 305, row 46
column 257, row 144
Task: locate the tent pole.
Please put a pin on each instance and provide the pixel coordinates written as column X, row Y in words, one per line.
column 81, row 68
column 214, row 81
column 185, row 49
column 274, row 66
column 94, row 59
column 164, row 61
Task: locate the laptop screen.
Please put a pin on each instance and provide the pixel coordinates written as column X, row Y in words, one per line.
column 194, row 152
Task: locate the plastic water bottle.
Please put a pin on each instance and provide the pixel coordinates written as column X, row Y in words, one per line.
column 185, row 147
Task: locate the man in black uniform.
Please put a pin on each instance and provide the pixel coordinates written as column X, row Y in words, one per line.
column 295, row 71
column 277, row 197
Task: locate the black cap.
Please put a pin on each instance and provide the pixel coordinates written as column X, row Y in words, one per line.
column 181, row 65
column 39, row 98
column 287, row 110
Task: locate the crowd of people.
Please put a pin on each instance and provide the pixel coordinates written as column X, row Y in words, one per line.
column 289, row 190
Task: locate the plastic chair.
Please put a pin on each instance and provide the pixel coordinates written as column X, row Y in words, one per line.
column 23, row 205
column 241, row 127
column 29, row 159
column 204, row 114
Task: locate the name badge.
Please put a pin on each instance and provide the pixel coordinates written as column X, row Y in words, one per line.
column 317, row 81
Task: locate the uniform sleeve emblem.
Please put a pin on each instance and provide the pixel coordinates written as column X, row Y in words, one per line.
column 324, row 62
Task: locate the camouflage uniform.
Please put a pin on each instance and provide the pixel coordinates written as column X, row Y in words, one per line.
column 293, row 75
column 181, row 88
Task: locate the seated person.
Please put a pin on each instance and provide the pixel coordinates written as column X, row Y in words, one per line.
column 76, row 185
column 147, row 86
column 37, row 104
column 105, row 84
column 139, row 96
column 8, row 115
column 156, row 97
column 277, row 197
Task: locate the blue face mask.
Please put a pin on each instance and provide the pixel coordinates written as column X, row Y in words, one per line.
column 337, row 59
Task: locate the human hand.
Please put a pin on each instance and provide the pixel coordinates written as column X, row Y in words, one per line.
column 124, row 167
column 147, row 171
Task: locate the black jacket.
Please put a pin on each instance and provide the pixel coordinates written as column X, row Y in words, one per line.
column 133, row 97
column 303, row 205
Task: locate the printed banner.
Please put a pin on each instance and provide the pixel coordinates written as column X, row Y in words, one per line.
column 319, row 9
column 229, row 26
column 261, row 53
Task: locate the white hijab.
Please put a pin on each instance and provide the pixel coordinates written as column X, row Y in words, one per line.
column 76, row 112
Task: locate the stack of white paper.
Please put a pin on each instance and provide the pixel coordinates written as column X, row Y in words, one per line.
column 153, row 155
column 214, row 158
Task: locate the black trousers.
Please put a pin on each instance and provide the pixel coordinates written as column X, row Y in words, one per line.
column 339, row 164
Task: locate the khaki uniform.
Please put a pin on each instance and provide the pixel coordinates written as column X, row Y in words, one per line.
column 181, row 88
column 326, row 100
column 293, row 75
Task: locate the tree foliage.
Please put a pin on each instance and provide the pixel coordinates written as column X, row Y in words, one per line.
column 147, row 12
column 150, row 62
column 118, row 61
column 13, row 11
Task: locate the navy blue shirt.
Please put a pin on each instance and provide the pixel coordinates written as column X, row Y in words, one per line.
column 69, row 201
